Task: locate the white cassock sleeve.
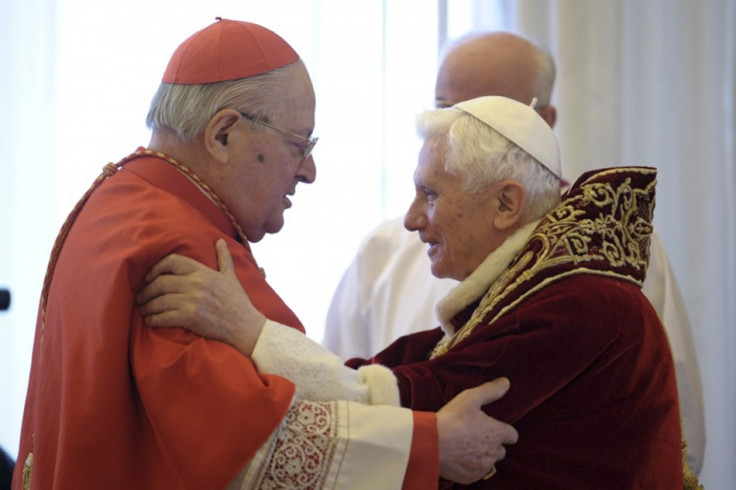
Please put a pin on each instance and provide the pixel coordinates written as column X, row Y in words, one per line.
column 320, row 375
column 333, row 445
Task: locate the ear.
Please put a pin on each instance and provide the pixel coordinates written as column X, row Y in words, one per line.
column 549, row 114
column 510, row 200
column 217, row 134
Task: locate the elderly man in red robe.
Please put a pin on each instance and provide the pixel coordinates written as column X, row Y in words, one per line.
column 113, row 403
column 550, row 296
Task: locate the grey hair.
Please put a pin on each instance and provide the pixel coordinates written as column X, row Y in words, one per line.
column 187, row 109
column 545, row 71
column 481, row 156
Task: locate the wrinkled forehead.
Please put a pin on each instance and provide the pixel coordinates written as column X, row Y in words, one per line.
column 296, row 99
column 431, row 160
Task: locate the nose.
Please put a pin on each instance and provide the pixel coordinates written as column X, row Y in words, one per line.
column 414, row 218
column 307, row 171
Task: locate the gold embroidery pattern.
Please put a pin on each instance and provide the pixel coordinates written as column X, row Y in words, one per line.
column 689, row 480
column 27, row 472
column 303, row 449
column 602, row 226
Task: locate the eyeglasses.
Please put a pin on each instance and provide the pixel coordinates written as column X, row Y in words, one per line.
column 306, row 148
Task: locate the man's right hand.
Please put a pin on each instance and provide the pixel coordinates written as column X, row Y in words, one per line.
column 471, row 442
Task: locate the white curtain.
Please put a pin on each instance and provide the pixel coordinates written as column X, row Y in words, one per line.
column 653, row 82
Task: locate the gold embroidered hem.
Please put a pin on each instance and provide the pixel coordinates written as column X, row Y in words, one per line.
column 689, row 481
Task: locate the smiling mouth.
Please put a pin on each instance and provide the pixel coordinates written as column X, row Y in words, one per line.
column 431, row 246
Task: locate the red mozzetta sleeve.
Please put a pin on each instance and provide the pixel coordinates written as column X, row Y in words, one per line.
column 422, row 471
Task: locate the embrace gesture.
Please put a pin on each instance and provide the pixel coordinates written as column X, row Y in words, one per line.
column 182, row 292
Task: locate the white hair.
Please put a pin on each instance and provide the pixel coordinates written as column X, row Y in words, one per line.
column 187, row 109
column 481, row 156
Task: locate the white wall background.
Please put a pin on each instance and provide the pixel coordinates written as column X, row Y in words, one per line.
column 639, row 82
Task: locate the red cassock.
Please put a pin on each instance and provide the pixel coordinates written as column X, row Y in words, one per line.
column 593, row 393
column 114, row 404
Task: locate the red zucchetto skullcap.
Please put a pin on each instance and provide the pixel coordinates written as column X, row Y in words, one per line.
column 227, row 50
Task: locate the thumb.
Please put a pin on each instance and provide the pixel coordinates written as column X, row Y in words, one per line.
column 224, row 259
column 491, row 391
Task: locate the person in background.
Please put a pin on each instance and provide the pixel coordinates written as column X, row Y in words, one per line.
column 6, row 469
column 388, row 290
column 550, row 296
column 112, row 403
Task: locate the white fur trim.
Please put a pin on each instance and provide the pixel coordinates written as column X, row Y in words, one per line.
column 382, row 385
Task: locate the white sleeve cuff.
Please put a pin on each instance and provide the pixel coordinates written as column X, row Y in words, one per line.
column 333, row 445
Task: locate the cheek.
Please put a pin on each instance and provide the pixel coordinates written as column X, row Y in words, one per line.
column 459, row 231
column 272, row 176
column 278, row 185
column 456, row 245
column 446, row 221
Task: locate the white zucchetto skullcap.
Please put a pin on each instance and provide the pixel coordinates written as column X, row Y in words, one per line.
column 521, row 124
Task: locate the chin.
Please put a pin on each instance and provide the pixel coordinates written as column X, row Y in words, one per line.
column 438, row 272
column 442, row 273
column 273, row 226
column 255, row 237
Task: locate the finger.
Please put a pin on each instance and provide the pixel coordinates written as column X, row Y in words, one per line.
column 163, row 266
column 163, row 285
column 224, row 259
column 151, row 290
column 172, row 264
column 510, row 436
column 159, row 304
column 489, row 392
column 166, row 319
column 171, row 310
